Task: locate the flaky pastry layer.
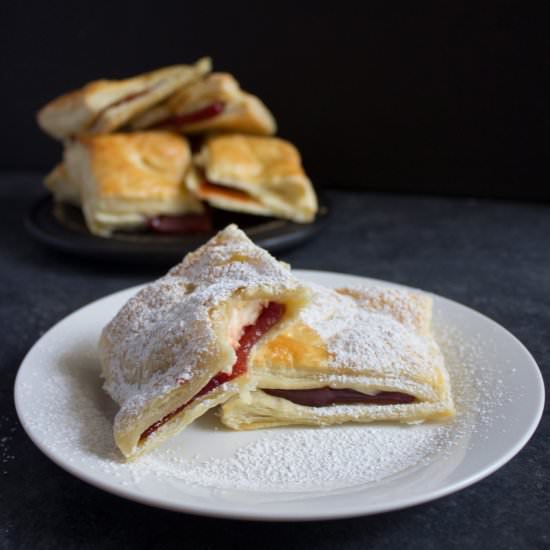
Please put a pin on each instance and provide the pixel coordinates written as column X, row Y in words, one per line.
column 125, row 179
column 105, row 105
column 369, row 340
column 253, row 174
column 176, row 334
column 241, row 112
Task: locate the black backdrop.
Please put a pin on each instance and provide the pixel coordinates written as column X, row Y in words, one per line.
column 387, row 99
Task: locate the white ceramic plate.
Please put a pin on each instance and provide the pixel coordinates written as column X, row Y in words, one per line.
column 498, row 390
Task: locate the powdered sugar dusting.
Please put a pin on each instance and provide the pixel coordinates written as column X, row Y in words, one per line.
column 303, row 459
column 7, row 432
column 67, row 409
column 374, row 331
column 159, row 338
column 478, row 391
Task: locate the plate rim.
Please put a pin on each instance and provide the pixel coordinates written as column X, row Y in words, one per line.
column 257, row 515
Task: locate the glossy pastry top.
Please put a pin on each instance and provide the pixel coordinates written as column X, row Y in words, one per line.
column 104, row 105
column 252, row 159
column 140, row 165
column 259, row 175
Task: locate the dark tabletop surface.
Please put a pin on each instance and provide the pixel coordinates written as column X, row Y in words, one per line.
column 492, row 256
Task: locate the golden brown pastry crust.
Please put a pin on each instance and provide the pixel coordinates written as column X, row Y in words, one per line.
column 267, row 171
column 370, row 340
column 105, row 105
column 243, row 112
column 124, row 179
column 174, row 336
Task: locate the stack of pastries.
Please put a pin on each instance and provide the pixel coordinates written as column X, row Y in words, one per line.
column 128, row 162
column 231, row 326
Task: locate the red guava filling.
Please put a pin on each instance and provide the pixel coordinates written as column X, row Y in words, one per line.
column 268, row 318
column 323, row 397
column 182, row 223
column 180, row 121
column 129, row 97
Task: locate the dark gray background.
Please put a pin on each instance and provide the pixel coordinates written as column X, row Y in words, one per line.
column 444, row 99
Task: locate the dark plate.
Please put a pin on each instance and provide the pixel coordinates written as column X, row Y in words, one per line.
column 62, row 227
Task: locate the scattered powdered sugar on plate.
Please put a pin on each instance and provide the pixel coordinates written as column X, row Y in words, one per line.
column 66, row 409
column 303, row 459
column 477, row 389
column 7, row 431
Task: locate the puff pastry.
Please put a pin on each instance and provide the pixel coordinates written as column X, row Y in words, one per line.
column 105, row 105
column 214, row 103
column 127, row 180
column 61, row 186
column 352, row 356
column 253, row 174
column 179, row 347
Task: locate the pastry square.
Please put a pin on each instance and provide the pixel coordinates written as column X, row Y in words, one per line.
column 125, row 181
column 253, row 174
column 214, row 103
column 105, row 105
column 180, row 346
column 353, row 355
